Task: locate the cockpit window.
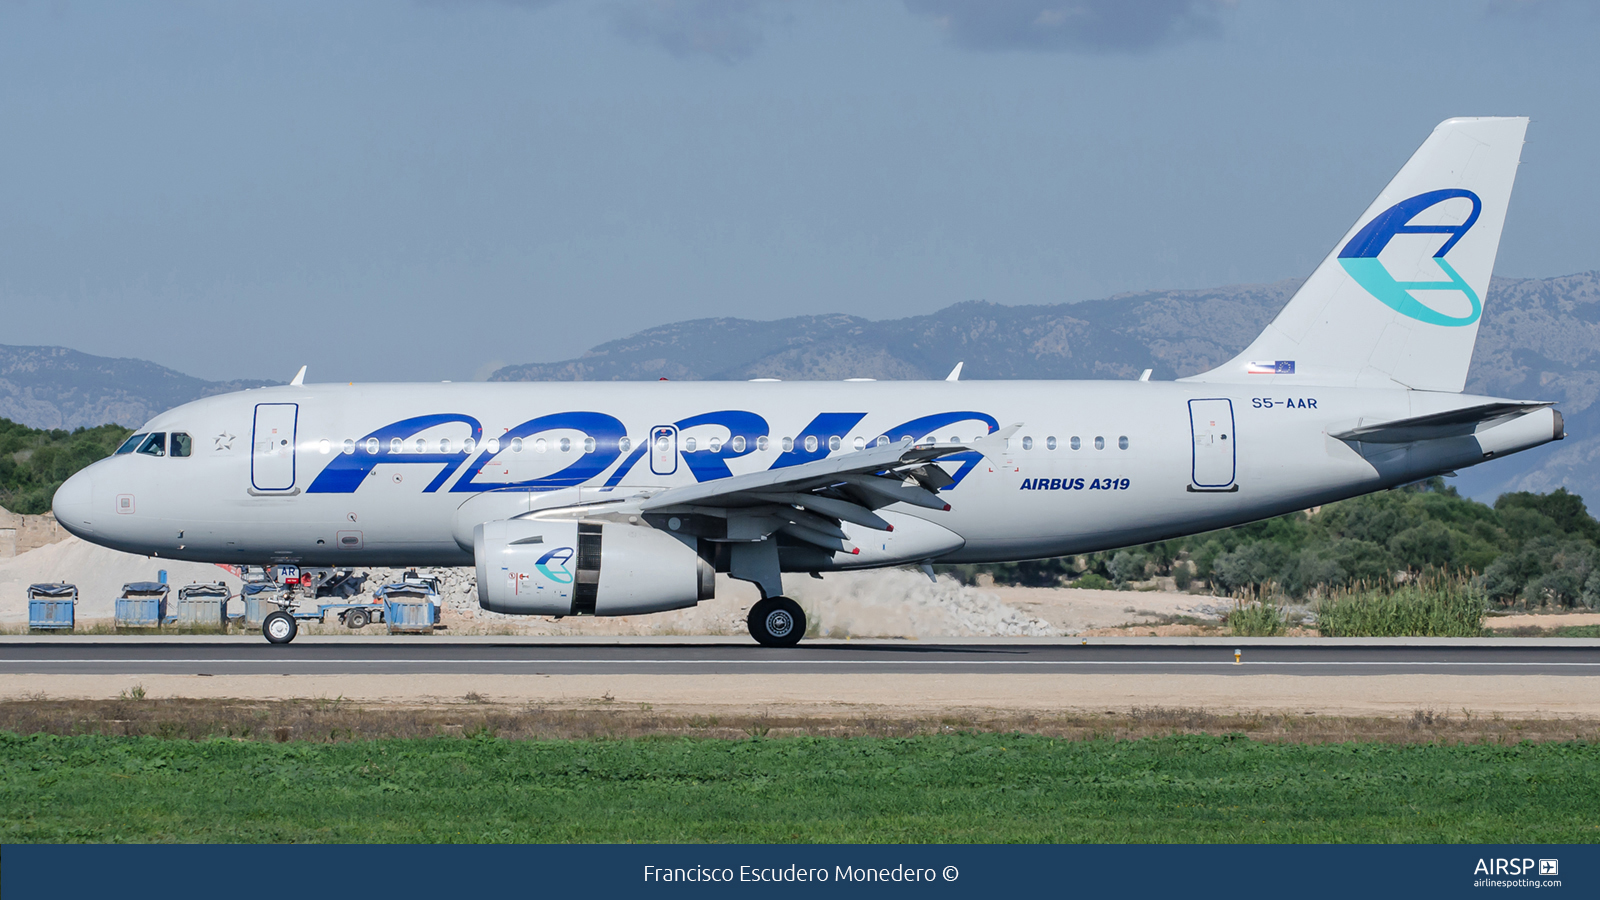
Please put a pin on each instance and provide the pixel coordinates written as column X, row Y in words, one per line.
column 155, row 444
column 181, row 444
column 131, row 444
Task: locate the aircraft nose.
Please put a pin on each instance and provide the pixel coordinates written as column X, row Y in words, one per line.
column 73, row 504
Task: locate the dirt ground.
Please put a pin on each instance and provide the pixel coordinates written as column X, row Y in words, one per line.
column 472, row 716
column 1536, row 696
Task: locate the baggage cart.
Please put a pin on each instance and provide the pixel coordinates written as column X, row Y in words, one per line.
column 143, row 604
column 52, row 607
column 203, row 605
column 411, row 607
column 262, row 598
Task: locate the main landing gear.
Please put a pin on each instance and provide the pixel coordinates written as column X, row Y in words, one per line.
column 777, row 622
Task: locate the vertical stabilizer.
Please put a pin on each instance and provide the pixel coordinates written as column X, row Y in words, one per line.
column 1397, row 302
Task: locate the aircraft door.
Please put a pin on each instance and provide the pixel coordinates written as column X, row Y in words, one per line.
column 1211, row 423
column 664, row 449
column 272, row 446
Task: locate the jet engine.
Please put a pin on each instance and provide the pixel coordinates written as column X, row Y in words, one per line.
column 564, row 568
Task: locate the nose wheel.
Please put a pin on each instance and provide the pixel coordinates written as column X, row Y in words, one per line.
column 777, row 622
column 279, row 627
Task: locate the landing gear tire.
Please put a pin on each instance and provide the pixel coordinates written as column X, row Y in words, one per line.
column 777, row 622
column 279, row 627
column 355, row 618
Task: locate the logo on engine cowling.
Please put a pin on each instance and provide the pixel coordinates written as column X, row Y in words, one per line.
column 553, row 565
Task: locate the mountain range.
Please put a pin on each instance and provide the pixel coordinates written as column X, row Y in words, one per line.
column 1539, row 340
column 53, row 387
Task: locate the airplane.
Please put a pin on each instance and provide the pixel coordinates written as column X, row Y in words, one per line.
column 611, row 498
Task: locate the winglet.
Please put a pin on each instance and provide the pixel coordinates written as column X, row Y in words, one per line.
column 299, row 378
column 955, row 374
column 1145, row 375
column 993, row 444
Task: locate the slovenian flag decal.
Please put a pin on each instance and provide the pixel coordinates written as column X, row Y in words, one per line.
column 1276, row 367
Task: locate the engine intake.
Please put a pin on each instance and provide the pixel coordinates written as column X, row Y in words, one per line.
column 565, row 568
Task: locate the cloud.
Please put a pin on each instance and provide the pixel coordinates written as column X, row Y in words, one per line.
column 725, row 30
column 1077, row 26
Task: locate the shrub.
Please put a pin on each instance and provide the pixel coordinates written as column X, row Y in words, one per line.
column 1128, row 566
column 1440, row 607
column 1090, row 581
column 1182, row 576
column 1255, row 618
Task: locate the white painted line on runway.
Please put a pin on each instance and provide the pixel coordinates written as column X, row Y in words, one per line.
column 788, row 662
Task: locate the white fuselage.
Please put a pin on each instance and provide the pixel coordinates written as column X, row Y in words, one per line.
column 286, row 473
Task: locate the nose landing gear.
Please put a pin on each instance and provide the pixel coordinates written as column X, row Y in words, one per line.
column 777, row 622
column 279, row 627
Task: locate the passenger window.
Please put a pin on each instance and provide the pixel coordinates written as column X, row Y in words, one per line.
column 324, row 447
column 688, row 445
column 811, row 443
column 738, row 443
column 516, row 444
column 1050, row 443
column 539, row 445
column 422, row 446
column 182, row 444
column 833, row 442
column 714, row 445
column 588, row 445
column 469, row 445
column 444, row 445
column 349, row 447
column 623, row 444
column 859, row 443
column 129, row 445
column 1076, row 444
column 1099, row 442
column 1122, row 442
column 397, row 446
column 372, row 446
column 883, row 440
column 155, row 444
column 788, row 444
column 762, row 443
column 1027, row 443
column 566, row 445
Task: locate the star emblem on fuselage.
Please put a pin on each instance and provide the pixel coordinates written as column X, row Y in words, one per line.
column 224, row 441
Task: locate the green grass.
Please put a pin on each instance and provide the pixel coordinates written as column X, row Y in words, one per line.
column 958, row 787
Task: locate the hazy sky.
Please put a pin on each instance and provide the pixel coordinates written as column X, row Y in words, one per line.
column 423, row 190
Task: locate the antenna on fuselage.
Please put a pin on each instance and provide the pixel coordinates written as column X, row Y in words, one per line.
column 299, row 378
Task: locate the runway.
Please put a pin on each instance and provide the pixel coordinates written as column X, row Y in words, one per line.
column 130, row 657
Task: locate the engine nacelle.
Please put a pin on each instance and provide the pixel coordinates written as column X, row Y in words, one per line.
column 565, row 568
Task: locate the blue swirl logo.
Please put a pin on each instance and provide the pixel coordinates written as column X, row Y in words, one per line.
column 1360, row 258
column 553, row 565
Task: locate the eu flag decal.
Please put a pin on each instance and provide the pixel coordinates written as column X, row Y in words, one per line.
column 1275, row 367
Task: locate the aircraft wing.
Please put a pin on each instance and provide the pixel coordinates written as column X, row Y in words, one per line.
column 809, row 501
column 1453, row 423
column 879, row 475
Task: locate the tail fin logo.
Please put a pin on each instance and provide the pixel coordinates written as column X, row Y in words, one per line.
column 1360, row 258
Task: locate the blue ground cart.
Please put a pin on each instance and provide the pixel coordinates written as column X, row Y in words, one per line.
column 52, row 607
column 143, row 604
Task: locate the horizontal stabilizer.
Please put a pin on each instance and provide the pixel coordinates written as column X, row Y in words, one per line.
column 1455, row 423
